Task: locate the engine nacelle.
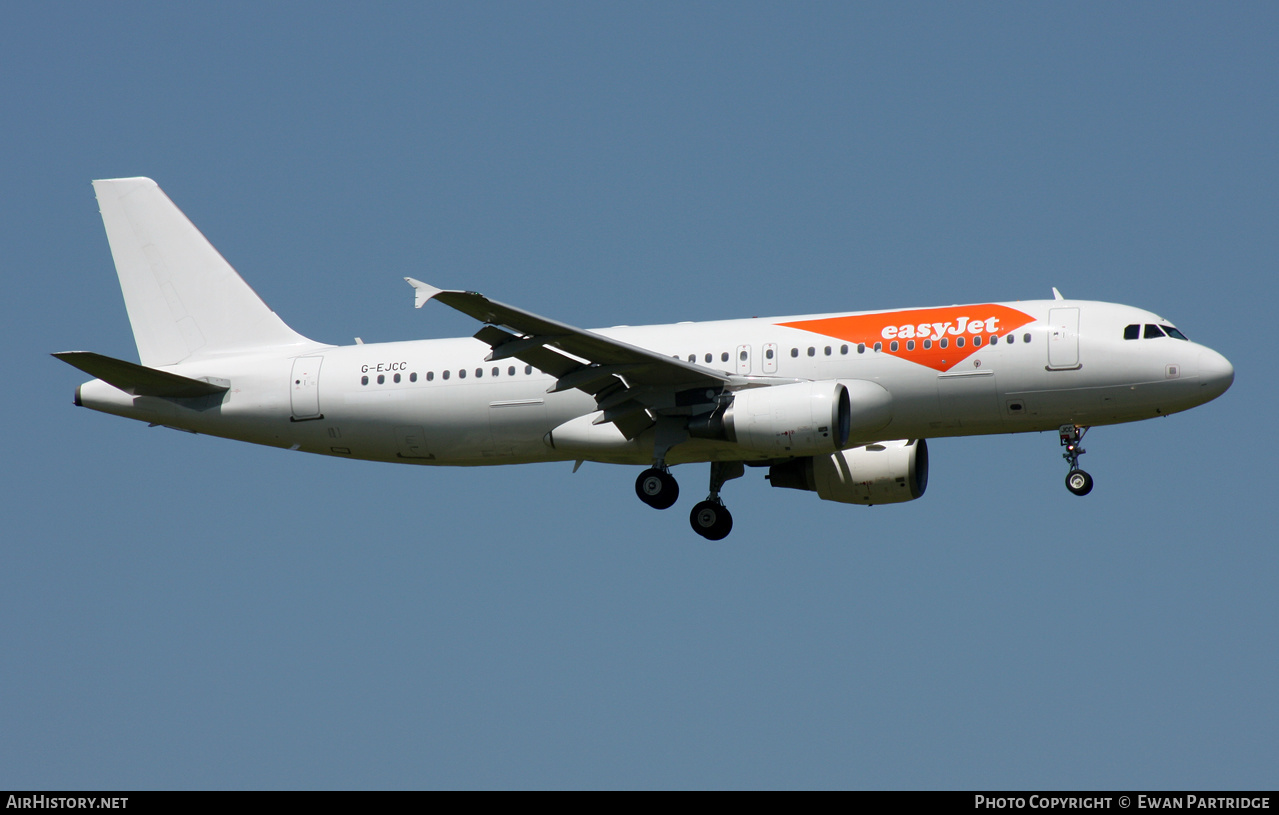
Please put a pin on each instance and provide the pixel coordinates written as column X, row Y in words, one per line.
column 796, row 419
column 887, row 472
column 803, row 417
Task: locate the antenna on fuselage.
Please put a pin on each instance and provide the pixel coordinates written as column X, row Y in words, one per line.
column 1057, row 294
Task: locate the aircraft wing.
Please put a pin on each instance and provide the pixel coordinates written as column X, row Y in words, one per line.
column 627, row 381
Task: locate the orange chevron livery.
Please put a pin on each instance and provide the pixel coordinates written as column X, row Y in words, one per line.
column 939, row 338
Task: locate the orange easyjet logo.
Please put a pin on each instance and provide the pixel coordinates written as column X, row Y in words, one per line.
column 939, row 338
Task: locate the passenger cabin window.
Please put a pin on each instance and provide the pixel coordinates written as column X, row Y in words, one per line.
column 724, row 357
column 794, row 352
column 1153, row 331
column 1132, row 332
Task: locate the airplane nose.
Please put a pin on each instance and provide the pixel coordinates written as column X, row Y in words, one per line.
column 1215, row 373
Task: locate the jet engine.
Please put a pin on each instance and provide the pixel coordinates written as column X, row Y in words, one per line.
column 800, row 418
column 887, row 472
column 795, row 419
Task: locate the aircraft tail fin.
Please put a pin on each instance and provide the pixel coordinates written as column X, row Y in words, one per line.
column 184, row 300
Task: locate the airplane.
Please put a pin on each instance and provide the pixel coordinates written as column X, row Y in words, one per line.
column 840, row 404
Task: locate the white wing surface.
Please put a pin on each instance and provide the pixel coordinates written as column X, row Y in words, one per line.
column 630, row 384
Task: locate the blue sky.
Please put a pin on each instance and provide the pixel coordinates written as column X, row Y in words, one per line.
column 185, row 612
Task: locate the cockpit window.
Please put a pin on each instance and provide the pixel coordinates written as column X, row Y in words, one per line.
column 1152, row 331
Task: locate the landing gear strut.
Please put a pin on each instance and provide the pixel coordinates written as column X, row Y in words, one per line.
column 656, row 486
column 1077, row 481
column 710, row 518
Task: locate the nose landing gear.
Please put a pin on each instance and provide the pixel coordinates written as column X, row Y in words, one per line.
column 1077, row 481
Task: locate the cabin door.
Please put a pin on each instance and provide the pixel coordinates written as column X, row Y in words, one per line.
column 304, row 388
column 1063, row 338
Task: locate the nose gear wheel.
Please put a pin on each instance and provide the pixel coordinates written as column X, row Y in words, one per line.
column 1079, row 482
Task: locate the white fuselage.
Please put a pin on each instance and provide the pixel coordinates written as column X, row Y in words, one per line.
column 439, row 402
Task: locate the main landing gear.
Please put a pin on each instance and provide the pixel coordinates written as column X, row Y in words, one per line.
column 710, row 518
column 657, row 487
column 1077, row 481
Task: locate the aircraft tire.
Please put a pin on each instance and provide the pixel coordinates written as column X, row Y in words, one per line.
column 711, row 520
column 657, row 488
column 1079, row 482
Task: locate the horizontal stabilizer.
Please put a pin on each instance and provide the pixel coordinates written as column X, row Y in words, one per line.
column 138, row 380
